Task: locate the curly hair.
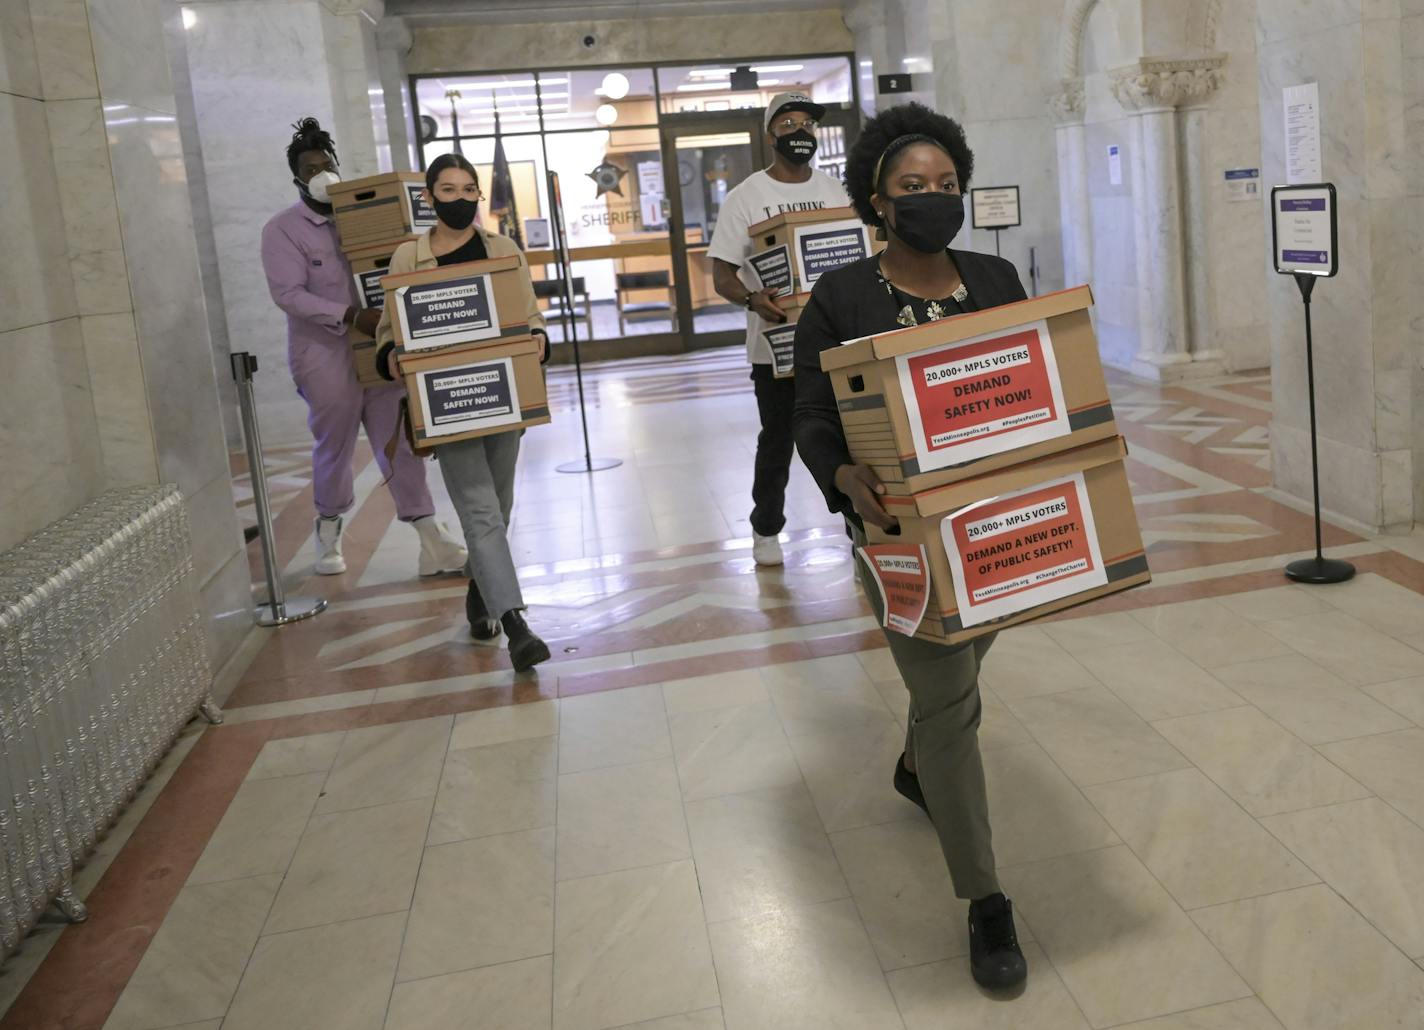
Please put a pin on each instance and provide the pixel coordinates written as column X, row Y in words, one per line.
column 886, row 135
column 309, row 135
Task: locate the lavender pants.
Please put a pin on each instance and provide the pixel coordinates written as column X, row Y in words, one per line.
column 337, row 407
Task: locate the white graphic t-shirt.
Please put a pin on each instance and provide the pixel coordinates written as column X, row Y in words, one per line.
column 755, row 199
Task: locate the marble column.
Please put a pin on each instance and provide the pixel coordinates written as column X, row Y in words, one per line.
column 1151, row 91
column 393, row 43
column 1368, row 320
column 1074, row 203
column 255, row 68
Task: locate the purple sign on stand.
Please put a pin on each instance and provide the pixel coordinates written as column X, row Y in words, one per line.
column 1303, row 229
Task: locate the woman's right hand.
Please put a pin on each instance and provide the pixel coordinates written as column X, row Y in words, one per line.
column 863, row 487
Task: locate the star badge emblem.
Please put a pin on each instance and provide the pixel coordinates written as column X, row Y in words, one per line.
column 609, row 178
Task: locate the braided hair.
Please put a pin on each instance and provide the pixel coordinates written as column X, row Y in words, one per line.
column 309, row 135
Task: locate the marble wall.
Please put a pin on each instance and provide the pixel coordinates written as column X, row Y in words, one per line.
column 111, row 376
column 254, row 68
column 1369, row 321
column 461, row 46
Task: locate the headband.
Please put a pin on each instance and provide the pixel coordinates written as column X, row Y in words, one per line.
column 895, row 146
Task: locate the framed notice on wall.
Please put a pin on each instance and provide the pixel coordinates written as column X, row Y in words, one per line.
column 1304, row 232
column 995, row 207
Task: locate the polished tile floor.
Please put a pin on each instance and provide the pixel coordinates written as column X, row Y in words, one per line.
column 1207, row 794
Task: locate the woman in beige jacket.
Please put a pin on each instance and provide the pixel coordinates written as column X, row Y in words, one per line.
column 479, row 473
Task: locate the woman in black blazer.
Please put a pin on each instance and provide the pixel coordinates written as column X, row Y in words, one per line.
column 906, row 175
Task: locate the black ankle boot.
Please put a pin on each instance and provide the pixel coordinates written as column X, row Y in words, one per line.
column 525, row 649
column 482, row 627
column 995, row 958
column 908, row 784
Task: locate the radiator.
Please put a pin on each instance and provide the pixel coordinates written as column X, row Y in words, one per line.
column 103, row 660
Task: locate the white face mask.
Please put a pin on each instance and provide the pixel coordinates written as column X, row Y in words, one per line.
column 317, row 186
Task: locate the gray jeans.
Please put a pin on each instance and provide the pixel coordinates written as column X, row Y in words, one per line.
column 479, row 475
column 943, row 741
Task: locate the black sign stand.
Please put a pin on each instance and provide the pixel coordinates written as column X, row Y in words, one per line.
column 570, row 324
column 1319, row 569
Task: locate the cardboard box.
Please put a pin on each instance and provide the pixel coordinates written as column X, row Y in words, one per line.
column 465, row 303
column 793, row 250
column 459, row 393
column 782, row 338
column 939, row 402
column 1001, row 549
column 369, row 265
column 380, row 207
column 363, row 352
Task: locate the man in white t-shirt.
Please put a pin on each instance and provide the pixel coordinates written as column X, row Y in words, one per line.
column 789, row 184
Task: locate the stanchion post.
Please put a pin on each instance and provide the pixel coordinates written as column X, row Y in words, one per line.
column 278, row 611
column 565, row 262
column 1319, row 569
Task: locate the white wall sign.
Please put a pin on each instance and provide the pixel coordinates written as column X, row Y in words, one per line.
column 1302, row 114
column 1242, row 184
column 995, row 207
column 1303, row 229
column 536, row 233
column 1114, row 165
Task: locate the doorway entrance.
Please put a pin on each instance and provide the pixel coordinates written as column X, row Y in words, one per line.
column 704, row 156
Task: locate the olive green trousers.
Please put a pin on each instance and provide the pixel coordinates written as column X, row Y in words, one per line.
column 942, row 744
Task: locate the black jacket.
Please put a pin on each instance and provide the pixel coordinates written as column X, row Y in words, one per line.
column 847, row 304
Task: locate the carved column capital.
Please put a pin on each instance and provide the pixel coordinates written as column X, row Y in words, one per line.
column 1155, row 83
column 1068, row 102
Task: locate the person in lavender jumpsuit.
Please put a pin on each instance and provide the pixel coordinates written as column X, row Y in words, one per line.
column 311, row 281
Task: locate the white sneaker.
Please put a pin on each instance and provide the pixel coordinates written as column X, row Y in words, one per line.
column 766, row 550
column 329, row 561
column 439, row 551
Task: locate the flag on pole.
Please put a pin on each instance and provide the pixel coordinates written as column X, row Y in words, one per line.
column 501, row 194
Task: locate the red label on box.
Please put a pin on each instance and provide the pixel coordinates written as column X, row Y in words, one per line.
column 903, row 575
column 983, row 389
column 1023, row 549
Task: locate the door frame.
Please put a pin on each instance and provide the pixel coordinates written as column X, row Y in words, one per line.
column 672, row 127
column 700, row 123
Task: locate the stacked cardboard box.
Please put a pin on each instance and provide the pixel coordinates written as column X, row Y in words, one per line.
column 379, row 208
column 994, row 436
column 375, row 215
column 465, row 351
column 792, row 251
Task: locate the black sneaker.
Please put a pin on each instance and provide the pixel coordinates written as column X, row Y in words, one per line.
column 482, row 627
column 995, row 958
column 908, row 784
column 525, row 649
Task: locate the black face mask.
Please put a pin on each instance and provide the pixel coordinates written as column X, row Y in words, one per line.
column 797, row 147
column 928, row 221
column 457, row 214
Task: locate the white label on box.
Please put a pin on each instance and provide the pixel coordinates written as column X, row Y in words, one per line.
column 456, row 310
column 826, row 246
column 1023, row 549
column 477, row 395
column 985, row 395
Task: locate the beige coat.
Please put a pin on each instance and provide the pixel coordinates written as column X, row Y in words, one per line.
column 415, row 256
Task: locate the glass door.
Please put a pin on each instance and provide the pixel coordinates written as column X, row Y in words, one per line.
column 704, row 156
